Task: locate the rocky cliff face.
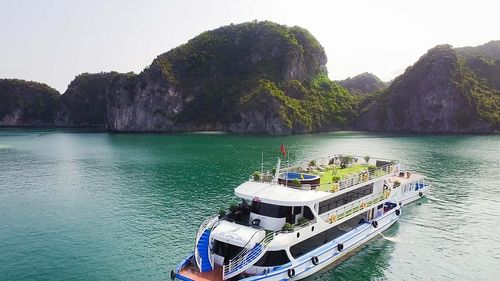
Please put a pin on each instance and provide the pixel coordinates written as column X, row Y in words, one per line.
column 254, row 77
column 26, row 103
column 436, row 94
column 262, row 77
column 84, row 102
column 363, row 84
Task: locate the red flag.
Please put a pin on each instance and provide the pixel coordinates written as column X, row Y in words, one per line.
column 283, row 151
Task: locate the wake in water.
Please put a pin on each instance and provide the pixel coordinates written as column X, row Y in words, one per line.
column 434, row 199
column 392, row 239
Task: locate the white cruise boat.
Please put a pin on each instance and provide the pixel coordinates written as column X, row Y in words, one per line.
column 293, row 222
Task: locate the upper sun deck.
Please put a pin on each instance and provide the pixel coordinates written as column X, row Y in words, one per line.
column 277, row 194
column 315, row 180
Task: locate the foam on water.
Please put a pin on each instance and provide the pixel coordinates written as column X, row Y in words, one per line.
column 392, row 239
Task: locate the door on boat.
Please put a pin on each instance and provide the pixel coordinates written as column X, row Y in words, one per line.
column 379, row 211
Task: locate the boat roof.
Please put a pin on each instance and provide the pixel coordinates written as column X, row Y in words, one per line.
column 236, row 234
column 272, row 193
column 405, row 179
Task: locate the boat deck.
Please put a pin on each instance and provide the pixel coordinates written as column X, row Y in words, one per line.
column 327, row 172
column 194, row 274
column 405, row 177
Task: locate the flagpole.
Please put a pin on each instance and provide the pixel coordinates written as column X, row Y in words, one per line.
column 283, row 151
column 287, row 167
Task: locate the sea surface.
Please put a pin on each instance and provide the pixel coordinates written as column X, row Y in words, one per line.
column 78, row 205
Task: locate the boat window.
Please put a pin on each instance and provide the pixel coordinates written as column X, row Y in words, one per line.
column 326, row 236
column 345, row 198
column 228, row 251
column 308, row 214
column 270, row 210
column 273, row 258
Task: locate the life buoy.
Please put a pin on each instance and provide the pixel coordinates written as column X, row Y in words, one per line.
column 375, row 224
column 340, row 247
column 336, row 187
column 398, row 212
column 363, row 205
column 364, row 177
column 420, row 194
column 291, row 272
column 315, row 260
column 386, row 194
column 332, row 218
column 172, row 275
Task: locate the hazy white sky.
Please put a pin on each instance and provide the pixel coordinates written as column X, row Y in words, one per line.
column 52, row 41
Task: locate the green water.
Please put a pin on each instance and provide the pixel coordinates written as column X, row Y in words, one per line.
column 99, row 206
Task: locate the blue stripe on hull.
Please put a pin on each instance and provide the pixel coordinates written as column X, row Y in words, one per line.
column 180, row 266
column 327, row 247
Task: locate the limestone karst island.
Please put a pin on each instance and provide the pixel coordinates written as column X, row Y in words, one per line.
column 253, row 140
column 263, row 77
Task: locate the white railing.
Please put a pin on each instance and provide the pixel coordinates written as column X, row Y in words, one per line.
column 298, row 227
column 246, row 257
column 357, row 178
column 209, row 222
column 363, row 177
column 343, row 212
column 346, row 182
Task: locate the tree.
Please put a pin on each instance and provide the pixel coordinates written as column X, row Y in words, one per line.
column 367, row 158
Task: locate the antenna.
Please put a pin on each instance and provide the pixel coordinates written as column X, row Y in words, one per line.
column 278, row 165
column 262, row 165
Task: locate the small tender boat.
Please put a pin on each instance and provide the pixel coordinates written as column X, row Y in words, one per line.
column 296, row 221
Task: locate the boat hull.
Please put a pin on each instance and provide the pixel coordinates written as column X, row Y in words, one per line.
column 414, row 196
column 324, row 255
column 328, row 254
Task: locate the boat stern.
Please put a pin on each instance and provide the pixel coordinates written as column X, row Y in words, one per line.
column 187, row 270
column 177, row 274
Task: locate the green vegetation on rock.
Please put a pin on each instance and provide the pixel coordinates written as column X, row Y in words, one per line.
column 446, row 90
column 263, row 77
column 25, row 103
column 84, row 102
column 250, row 77
column 363, row 84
